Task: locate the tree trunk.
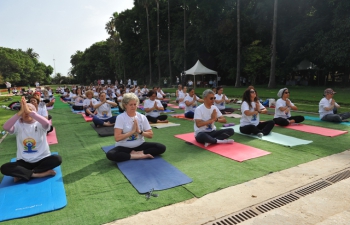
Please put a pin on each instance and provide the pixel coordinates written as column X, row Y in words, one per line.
column 170, row 74
column 272, row 82
column 149, row 49
column 158, row 55
column 184, row 37
column 238, row 75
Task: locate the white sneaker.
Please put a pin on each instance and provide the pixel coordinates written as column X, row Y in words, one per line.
column 260, row 135
column 206, row 144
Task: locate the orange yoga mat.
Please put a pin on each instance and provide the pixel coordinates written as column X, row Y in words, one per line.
column 317, row 130
column 236, row 151
column 51, row 137
column 180, row 116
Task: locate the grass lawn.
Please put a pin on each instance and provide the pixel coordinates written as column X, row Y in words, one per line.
column 97, row 192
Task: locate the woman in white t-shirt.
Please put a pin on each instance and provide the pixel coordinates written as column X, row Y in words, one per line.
column 40, row 109
column 152, row 107
column 34, row 158
column 78, row 100
column 129, row 131
column 103, row 115
column 205, row 117
column 89, row 103
column 251, row 108
column 221, row 100
column 181, row 98
column 191, row 103
column 282, row 111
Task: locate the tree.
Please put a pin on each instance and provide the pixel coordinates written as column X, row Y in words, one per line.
column 238, row 75
column 158, row 52
column 32, row 54
column 169, row 52
column 272, row 82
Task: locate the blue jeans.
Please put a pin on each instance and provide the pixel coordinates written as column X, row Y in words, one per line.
column 189, row 114
column 99, row 122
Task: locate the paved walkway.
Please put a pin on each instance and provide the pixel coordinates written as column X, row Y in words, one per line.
column 327, row 206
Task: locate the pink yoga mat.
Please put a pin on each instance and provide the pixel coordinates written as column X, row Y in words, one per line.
column 86, row 118
column 52, row 138
column 235, row 151
column 173, row 106
column 316, row 130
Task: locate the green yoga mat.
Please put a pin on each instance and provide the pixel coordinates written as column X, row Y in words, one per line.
column 276, row 138
column 319, row 120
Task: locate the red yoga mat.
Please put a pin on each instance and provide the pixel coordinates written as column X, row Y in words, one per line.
column 316, row 130
column 236, row 151
column 51, row 137
column 180, row 116
column 86, row 118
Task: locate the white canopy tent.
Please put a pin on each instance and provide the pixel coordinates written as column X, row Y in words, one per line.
column 199, row 69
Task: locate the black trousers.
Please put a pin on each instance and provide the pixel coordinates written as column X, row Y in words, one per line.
column 212, row 137
column 284, row 122
column 262, row 127
column 155, row 119
column 120, row 153
column 224, row 111
column 24, row 170
column 75, row 107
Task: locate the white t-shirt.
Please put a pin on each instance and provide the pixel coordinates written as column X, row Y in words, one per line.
column 159, row 95
column 79, row 101
column 149, row 104
column 31, row 141
column 112, row 95
column 191, row 107
column 222, row 104
column 104, row 111
column 280, row 114
column 42, row 110
column 323, row 104
column 144, row 91
column 249, row 120
column 125, row 123
column 182, row 103
column 129, row 82
column 86, row 103
column 203, row 113
column 108, row 81
column 102, row 81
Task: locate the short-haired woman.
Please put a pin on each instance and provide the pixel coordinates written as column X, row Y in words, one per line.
column 129, row 131
column 152, row 107
column 104, row 115
column 250, row 120
column 191, row 103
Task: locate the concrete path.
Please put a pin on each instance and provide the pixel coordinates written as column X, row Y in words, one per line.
column 327, row 206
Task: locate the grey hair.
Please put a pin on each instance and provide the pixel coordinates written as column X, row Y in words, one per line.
column 207, row 92
column 127, row 97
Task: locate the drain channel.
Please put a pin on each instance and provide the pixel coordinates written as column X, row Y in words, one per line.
column 281, row 200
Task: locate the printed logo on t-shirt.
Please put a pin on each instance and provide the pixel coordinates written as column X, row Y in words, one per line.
column 254, row 117
column 80, row 101
column 221, row 103
column 104, row 114
column 29, row 145
column 209, row 127
column 133, row 137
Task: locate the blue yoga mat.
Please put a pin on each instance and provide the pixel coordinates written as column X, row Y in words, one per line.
column 319, row 120
column 147, row 174
column 36, row 196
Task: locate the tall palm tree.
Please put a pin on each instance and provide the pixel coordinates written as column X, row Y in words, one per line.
column 185, row 36
column 32, row 54
column 158, row 55
column 145, row 4
column 170, row 74
column 238, row 82
column 272, row 81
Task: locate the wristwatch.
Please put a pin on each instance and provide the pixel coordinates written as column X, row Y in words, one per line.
column 217, row 119
column 141, row 132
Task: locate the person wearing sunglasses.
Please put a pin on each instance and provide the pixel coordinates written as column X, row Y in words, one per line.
column 205, row 117
column 221, row 100
column 250, row 120
column 327, row 106
column 191, row 103
column 282, row 111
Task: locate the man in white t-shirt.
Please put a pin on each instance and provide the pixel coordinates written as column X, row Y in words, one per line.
column 205, row 117
column 102, row 81
column 327, row 106
column 8, row 86
column 109, row 81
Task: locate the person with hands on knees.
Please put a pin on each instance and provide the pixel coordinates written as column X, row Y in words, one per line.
column 130, row 129
column 34, row 158
column 104, row 116
column 250, row 120
column 328, row 107
column 191, row 103
column 282, row 111
column 152, row 107
column 205, row 117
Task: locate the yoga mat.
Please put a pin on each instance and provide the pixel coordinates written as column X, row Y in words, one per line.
column 52, row 137
column 103, row 131
column 33, row 197
column 232, row 115
column 164, row 125
column 319, row 120
column 236, row 151
column 167, row 111
column 316, row 130
column 275, row 138
column 147, row 174
column 173, row 106
column 86, row 118
column 180, row 116
column 76, row 111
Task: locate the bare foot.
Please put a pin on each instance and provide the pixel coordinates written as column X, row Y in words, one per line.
column 108, row 124
column 16, row 179
column 44, row 174
column 162, row 121
column 140, row 155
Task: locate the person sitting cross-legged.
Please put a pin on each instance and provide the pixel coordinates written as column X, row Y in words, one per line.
column 152, row 107
column 104, row 116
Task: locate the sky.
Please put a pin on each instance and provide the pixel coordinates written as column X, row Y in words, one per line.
column 56, row 29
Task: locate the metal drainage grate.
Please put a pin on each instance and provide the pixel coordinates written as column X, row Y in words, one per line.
column 236, row 218
column 312, row 188
column 276, row 203
column 340, row 176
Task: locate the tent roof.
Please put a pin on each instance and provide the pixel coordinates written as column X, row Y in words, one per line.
column 199, row 69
